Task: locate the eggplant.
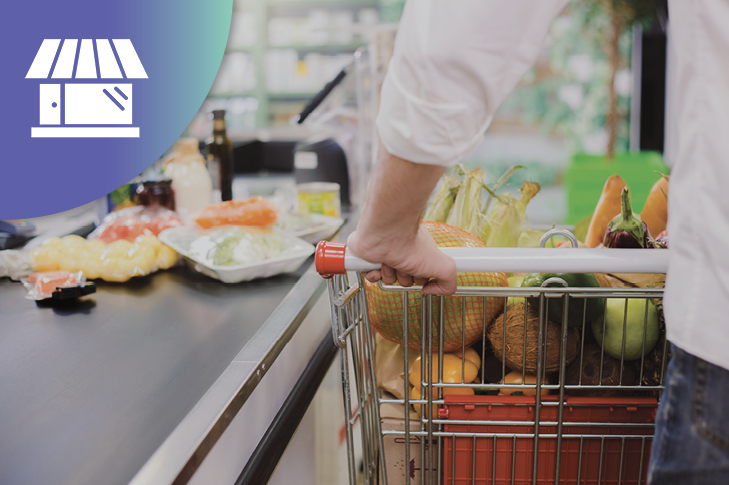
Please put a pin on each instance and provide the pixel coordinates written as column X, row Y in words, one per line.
column 627, row 230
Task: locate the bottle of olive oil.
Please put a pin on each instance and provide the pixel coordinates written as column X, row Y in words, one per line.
column 220, row 157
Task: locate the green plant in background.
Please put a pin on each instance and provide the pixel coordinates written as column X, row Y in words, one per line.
column 582, row 92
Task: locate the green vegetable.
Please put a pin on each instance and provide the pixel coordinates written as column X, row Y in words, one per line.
column 515, row 282
column 223, row 252
column 576, row 307
column 245, row 248
column 640, row 321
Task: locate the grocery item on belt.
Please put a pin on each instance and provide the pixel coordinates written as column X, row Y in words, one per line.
column 158, row 192
column 231, row 247
column 233, row 253
column 59, row 285
column 320, row 198
column 311, row 228
column 190, row 178
column 132, row 222
column 117, row 261
column 256, row 211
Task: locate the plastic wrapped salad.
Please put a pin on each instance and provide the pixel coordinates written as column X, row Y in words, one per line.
column 233, row 247
column 232, row 254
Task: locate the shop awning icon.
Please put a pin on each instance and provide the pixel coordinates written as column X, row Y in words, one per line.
column 98, row 103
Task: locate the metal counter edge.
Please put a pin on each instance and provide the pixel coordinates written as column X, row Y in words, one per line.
column 181, row 454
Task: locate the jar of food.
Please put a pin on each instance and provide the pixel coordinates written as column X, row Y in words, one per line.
column 320, row 198
column 191, row 181
column 157, row 192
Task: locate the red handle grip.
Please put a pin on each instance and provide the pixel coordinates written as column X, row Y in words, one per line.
column 329, row 259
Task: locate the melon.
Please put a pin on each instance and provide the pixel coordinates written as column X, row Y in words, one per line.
column 459, row 328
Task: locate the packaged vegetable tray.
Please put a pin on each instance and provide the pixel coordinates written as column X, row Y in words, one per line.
column 232, row 254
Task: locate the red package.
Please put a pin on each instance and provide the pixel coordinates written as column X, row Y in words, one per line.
column 134, row 221
column 255, row 211
column 42, row 285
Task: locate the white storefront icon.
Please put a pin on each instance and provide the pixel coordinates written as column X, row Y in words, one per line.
column 98, row 104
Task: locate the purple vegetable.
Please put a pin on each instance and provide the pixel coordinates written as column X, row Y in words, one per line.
column 627, row 230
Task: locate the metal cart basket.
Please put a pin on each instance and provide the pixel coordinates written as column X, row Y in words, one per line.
column 525, row 417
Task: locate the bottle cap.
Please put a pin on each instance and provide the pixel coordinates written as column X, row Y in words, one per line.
column 187, row 145
column 219, row 114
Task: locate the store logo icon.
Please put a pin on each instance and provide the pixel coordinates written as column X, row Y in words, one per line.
column 86, row 108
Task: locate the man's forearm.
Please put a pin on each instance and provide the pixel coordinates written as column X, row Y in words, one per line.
column 388, row 231
column 396, row 198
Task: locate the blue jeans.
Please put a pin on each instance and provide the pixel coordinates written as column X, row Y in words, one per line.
column 691, row 443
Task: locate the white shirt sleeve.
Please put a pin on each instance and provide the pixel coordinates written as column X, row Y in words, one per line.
column 454, row 63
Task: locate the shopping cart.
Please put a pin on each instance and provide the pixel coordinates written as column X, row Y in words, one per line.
column 558, row 428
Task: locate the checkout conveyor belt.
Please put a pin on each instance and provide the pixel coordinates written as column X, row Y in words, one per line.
column 89, row 392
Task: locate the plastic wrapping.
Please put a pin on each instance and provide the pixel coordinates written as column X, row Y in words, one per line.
column 233, row 254
column 129, row 223
column 14, row 264
column 117, row 261
column 256, row 211
column 59, row 285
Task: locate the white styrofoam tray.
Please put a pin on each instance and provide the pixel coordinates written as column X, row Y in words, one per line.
column 296, row 252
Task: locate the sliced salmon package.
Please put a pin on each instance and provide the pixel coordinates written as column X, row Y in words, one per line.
column 59, row 285
column 255, row 211
column 135, row 221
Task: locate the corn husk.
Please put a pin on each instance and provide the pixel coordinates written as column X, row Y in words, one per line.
column 506, row 217
column 458, row 201
column 466, row 211
column 444, row 197
column 529, row 238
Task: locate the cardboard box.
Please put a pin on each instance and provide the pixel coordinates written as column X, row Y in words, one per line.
column 393, row 419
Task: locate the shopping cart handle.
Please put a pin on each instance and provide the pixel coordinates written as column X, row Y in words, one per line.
column 335, row 258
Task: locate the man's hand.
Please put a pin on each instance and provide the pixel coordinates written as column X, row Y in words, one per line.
column 389, row 231
column 407, row 261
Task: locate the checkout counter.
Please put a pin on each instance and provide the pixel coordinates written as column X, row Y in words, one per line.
column 169, row 378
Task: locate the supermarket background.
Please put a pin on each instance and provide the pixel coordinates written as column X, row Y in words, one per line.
column 280, row 53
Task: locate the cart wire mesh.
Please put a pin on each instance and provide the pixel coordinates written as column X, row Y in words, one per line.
column 551, row 425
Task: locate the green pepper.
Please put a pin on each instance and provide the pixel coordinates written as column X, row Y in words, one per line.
column 595, row 306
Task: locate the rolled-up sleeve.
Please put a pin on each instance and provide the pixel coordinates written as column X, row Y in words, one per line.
column 454, row 63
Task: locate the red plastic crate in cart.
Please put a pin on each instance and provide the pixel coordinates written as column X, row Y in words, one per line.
column 593, row 455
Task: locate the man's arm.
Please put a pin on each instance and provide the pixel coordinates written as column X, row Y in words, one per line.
column 389, row 231
column 453, row 65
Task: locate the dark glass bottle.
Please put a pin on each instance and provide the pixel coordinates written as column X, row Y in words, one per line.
column 220, row 149
column 157, row 192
